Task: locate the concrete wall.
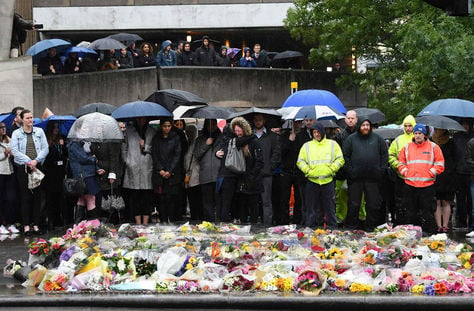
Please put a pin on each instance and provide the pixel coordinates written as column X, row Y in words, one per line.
column 6, row 22
column 16, row 83
column 232, row 87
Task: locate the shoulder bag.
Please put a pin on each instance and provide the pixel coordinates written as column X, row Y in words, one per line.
column 234, row 160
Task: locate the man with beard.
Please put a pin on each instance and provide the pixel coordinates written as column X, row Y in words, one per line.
column 366, row 158
column 205, row 55
column 271, row 158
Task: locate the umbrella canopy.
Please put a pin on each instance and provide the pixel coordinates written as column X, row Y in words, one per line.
column 272, row 117
column 314, row 97
column 373, row 114
column 172, row 98
column 209, row 112
column 106, row 44
column 81, row 51
column 7, row 118
column 310, row 112
column 389, row 132
column 65, row 123
column 95, row 107
column 328, row 124
column 441, row 122
column 233, row 51
column 40, row 49
column 138, row 109
column 451, row 107
column 287, row 55
column 95, row 127
column 126, row 37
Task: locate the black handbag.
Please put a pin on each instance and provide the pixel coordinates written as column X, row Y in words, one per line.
column 74, row 187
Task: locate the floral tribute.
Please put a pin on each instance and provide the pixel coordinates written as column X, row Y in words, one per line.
column 209, row 258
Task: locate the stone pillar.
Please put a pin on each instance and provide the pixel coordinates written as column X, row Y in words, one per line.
column 6, row 20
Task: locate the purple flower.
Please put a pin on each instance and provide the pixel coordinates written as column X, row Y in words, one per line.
column 67, row 254
column 429, row 290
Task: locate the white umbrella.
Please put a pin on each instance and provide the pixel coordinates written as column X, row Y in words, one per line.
column 95, row 127
column 309, row 112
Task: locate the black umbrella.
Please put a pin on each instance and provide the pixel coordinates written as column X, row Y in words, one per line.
column 287, row 55
column 272, row 117
column 126, row 37
column 440, row 122
column 95, row 107
column 373, row 114
column 328, row 123
column 209, row 112
column 106, row 44
column 172, row 98
column 388, row 132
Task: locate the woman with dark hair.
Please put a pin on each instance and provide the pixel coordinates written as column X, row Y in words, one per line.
column 146, row 57
column 7, row 183
column 55, row 170
column 30, row 148
column 168, row 174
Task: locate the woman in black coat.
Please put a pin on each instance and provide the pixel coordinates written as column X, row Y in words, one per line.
column 168, row 174
column 243, row 189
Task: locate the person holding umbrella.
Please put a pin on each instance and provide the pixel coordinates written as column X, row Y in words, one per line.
column 50, row 64
column 29, row 148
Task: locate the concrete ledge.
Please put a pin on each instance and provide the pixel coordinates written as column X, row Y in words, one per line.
column 16, row 84
column 235, row 301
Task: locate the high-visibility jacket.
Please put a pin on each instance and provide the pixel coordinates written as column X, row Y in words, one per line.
column 400, row 142
column 320, row 160
column 420, row 163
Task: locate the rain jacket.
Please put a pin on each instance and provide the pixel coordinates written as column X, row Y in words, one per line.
column 320, row 160
column 420, row 163
column 400, row 142
column 166, row 59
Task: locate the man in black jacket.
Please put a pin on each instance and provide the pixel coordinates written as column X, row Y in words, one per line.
column 366, row 162
column 186, row 58
column 205, row 55
column 20, row 26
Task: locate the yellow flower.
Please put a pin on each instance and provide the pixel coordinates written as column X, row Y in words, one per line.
column 340, row 283
column 319, row 231
column 418, row 289
column 192, row 260
column 360, row 288
column 189, row 266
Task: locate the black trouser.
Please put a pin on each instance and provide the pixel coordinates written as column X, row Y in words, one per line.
column 226, row 196
column 8, row 197
column 320, row 205
column 463, row 199
column 282, row 216
column 209, row 201
column 421, row 205
column 55, row 206
column 373, row 201
column 30, row 199
column 247, row 205
column 400, row 215
column 195, row 202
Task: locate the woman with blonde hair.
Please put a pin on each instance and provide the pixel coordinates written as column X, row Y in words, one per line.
column 243, row 188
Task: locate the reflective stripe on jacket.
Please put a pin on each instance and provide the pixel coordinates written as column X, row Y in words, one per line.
column 320, row 160
column 420, row 163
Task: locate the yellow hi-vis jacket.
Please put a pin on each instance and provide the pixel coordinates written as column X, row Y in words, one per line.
column 320, row 160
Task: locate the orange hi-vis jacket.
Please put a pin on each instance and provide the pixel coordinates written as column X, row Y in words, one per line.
column 420, row 163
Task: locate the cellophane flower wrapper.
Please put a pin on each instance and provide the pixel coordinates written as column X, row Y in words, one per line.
column 171, row 260
column 36, row 276
column 55, row 280
column 12, row 267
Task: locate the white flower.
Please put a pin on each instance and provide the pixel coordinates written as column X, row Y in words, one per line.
column 121, row 265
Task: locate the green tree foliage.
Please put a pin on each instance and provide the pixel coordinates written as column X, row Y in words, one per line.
column 422, row 53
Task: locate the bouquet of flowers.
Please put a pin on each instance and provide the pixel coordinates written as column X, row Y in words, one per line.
column 238, row 282
column 309, row 281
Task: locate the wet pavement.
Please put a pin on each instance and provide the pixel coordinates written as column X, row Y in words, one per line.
column 13, row 296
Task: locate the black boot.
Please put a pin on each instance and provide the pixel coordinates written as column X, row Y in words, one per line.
column 79, row 213
column 92, row 214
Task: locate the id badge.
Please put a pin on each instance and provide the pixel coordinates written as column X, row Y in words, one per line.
column 60, row 163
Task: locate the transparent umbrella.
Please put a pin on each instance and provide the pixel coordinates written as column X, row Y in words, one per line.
column 95, row 127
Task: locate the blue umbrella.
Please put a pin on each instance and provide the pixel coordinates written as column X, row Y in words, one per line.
column 39, row 49
column 140, row 109
column 452, row 107
column 81, row 51
column 314, row 97
column 7, row 118
column 65, row 123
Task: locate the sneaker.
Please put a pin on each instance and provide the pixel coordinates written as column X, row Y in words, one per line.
column 470, row 234
column 3, row 230
column 13, row 229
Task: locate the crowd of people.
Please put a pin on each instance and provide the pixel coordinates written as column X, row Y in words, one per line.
column 169, row 54
column 308, row 175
